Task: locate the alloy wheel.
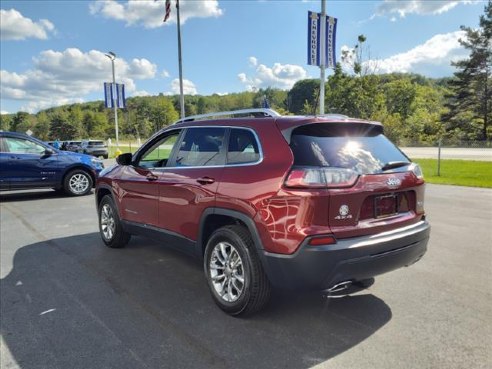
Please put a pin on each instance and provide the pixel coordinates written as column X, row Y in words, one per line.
column 227, row 272
column 79, row 183
column 108, row 224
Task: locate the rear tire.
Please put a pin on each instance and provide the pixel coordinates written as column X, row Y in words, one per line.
column 234, row 273
column 77, row 183
column 110, row 228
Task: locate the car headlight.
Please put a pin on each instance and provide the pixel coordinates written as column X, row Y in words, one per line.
column 97, row 162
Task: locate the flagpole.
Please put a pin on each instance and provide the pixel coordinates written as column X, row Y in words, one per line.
column 181, row 98
column 322, row 58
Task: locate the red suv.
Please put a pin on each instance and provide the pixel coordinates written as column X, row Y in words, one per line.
column 270, row 201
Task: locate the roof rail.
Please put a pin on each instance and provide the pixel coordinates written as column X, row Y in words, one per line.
column 257, row 113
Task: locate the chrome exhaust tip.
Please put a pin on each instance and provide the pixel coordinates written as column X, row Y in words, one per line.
column 339, row 287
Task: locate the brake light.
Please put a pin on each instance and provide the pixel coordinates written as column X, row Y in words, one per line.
column 321, row 178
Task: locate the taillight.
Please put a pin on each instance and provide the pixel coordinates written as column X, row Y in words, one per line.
column 321, row 178
column 415, row 168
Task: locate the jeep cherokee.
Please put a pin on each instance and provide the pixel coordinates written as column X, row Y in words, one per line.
column 316, row 202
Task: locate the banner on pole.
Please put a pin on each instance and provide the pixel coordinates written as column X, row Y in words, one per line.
column 120, row 96
column 314, row 27
column 331, row 36
column 108, row 95
column 112, row 97
column 314, row 40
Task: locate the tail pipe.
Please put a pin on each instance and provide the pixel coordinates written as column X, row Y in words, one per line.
column 339, row 287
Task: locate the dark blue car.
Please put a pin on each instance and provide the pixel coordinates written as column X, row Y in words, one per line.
column 26, row 162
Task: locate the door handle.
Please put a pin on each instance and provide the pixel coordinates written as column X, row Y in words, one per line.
column 205, row 180
column 151, row 177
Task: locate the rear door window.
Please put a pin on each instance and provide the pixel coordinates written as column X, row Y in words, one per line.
column 243, row 147
column 358, row 147
column 202, row 147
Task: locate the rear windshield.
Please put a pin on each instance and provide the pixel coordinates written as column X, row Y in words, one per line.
column 363, row 149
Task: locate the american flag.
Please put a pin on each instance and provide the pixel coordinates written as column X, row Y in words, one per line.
column 168, row 10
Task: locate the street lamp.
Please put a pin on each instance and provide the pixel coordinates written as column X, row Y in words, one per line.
column 112, row 56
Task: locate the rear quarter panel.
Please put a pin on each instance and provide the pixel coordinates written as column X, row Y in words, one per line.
column 251, row 188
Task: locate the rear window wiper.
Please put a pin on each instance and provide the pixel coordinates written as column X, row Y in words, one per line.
column 394, row 164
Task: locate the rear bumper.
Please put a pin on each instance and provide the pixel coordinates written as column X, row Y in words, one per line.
column 321, row 267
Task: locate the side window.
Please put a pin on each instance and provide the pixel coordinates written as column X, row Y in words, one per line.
column 201, row 147
column 243, row 147
column 23, row 146
column 157, row 156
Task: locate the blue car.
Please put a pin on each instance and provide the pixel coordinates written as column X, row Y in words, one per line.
column 26, row 163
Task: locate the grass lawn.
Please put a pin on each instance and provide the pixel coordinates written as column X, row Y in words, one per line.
column 458, row 172
column 123, row 148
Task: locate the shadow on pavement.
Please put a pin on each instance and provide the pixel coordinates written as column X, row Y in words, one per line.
column 73, row 303
column 29, row 195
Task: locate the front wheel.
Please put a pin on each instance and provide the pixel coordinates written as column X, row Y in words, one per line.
column 235, row 276
column 78, row 183
column 110, row 228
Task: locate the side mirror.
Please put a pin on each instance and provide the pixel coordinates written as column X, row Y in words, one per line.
column 48, row 152
column 124, row 159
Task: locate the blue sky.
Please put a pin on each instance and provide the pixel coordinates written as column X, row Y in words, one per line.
column 52, row 52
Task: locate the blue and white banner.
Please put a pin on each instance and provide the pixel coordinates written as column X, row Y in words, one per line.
column 110, row 94
column 314, row 40
column 120, row 96
column 314, row 29
column 331, row 37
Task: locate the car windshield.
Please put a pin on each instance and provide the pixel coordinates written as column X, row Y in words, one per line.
column 364, row 150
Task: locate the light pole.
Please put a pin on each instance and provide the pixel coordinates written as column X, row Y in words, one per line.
column 112, row 56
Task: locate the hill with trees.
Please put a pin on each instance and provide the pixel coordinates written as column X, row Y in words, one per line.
column 412, row 108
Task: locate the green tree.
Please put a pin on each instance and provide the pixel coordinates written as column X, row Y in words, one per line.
column 75, row 117
column 162, row 112
column 21, row 122
column 5, row 122
column 472, row 86
column 60, row 127
column 42, row 128
column 302, row 91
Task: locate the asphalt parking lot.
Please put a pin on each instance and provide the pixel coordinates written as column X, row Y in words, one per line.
column 69, row 302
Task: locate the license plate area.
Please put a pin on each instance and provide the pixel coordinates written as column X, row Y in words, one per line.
column 385, row 206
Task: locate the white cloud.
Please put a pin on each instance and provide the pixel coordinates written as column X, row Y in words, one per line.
column 420, row 7
column 189, row 87
column 439, row 50
column 141, row 93
column 150, row 14
column 60, row 77
column 281, row 76
column 35, row 106
column 14, row 26
column 165, row 74
column 4, row 112
column 253, row 61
